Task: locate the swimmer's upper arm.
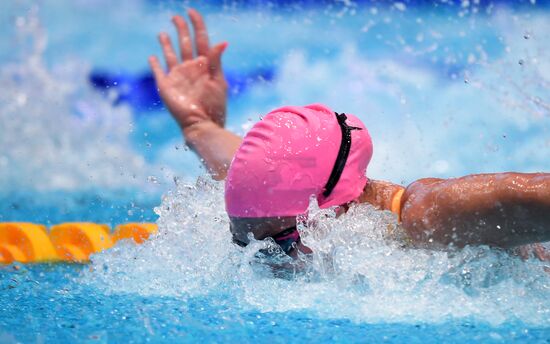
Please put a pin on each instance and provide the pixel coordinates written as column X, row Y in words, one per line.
column 505, row 209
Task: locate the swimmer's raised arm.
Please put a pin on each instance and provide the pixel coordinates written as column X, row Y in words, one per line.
column 503, row 210
column 195, row 92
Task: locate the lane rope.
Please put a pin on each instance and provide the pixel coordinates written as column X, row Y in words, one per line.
column 27, row 242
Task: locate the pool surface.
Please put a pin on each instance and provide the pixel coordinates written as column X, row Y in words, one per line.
column 47, row 304
column 446, row 88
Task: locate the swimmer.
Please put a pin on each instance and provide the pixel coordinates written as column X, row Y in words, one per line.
column 295, row 152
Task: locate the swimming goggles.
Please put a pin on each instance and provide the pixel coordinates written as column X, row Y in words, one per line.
column 343, row 154
column 288, row 240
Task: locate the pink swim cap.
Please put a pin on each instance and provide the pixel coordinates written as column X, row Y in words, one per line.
column 290, row 155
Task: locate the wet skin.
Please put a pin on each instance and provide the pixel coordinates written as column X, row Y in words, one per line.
column 501, row 210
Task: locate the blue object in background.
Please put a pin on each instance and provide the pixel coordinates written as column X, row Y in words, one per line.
column 141, row 93
column 239, row 82
column 409, row 3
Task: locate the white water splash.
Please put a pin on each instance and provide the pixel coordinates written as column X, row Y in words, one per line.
column 357, row 271
column 57, row 132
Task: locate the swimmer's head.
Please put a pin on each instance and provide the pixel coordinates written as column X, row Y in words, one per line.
column 294, row 153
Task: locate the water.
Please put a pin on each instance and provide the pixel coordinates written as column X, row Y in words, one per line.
column 445, row 90
column 190, row 282
column 90, row 316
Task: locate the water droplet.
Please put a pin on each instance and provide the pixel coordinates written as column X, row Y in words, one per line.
column 152, row 179
column 176, row 180
column 521, row 62
column 527, row 35
column 20, row 21
column 21, row 99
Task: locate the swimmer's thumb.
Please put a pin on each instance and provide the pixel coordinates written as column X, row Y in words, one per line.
column 215, row 59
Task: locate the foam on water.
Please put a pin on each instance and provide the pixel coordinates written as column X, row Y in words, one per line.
column 358, row 271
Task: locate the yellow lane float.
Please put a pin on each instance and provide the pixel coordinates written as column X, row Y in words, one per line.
column 71, row 242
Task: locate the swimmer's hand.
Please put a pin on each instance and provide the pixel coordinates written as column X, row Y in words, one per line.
column 194, row 89
column 195, row 92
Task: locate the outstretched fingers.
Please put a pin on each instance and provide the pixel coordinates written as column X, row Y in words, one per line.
column 210, row 57
column 168, row 51
column 157, row 69
column 215, row 60
column 184, row 38
column 201, row 34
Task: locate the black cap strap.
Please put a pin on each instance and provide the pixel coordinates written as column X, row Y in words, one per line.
column 343, row 153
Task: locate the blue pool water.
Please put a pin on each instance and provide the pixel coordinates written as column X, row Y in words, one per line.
column 446, row 88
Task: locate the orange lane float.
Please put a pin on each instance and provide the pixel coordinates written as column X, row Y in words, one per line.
column 70, row 242
column 76, row 241
column 139, row 232
column 25, row 242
